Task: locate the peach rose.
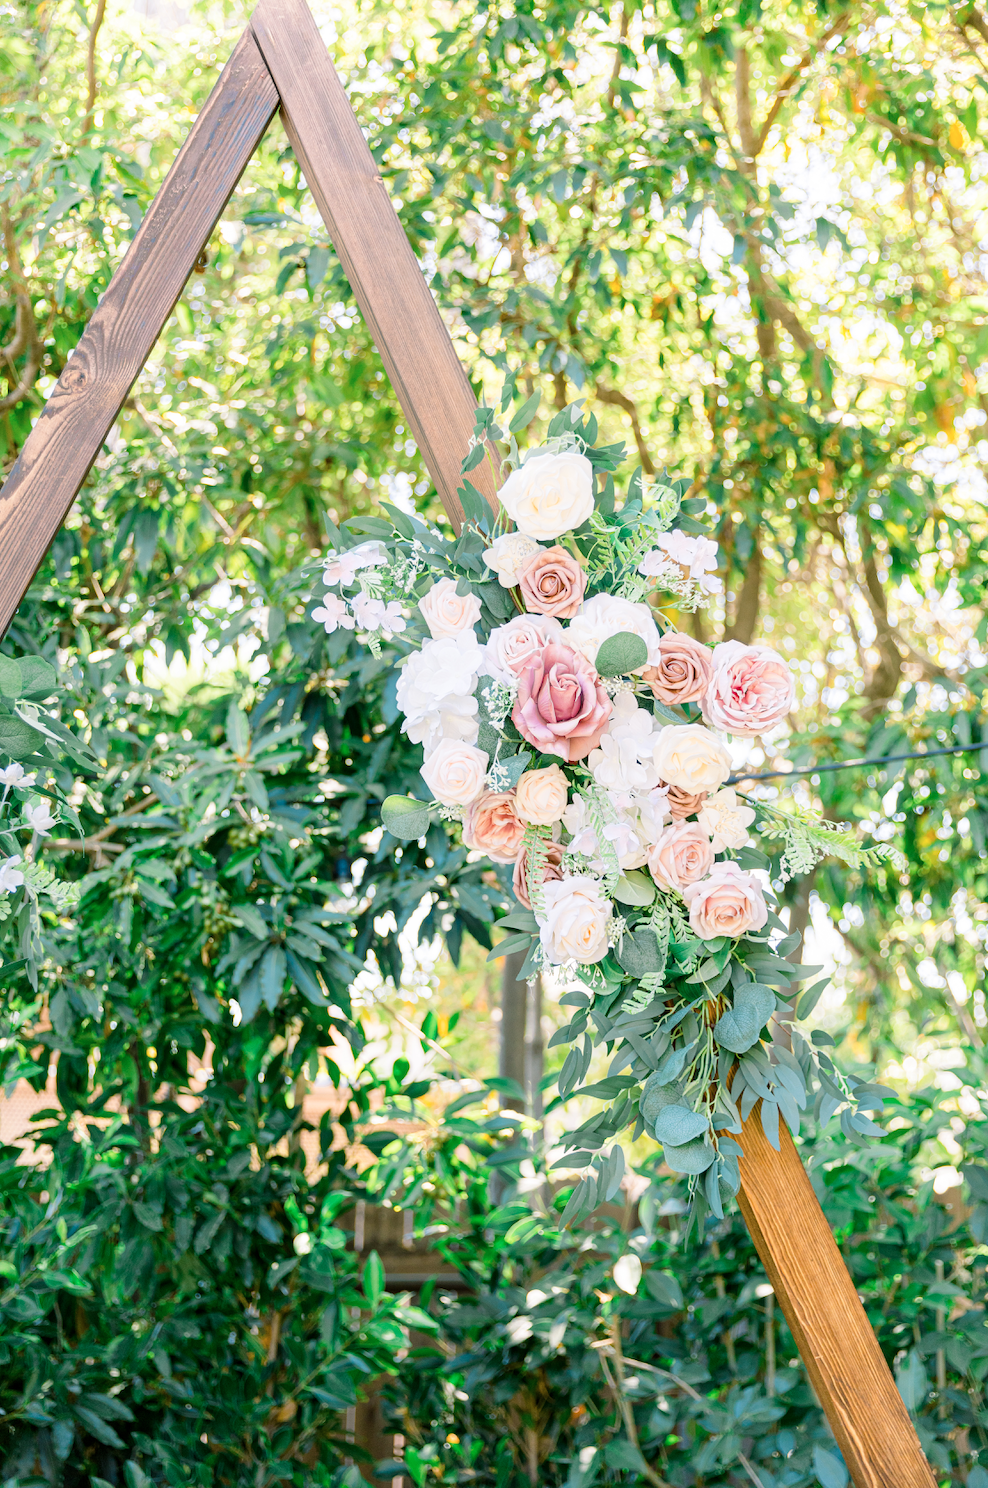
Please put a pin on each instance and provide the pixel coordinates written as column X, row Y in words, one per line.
column 455, row 772
column 561, row 707
column 728, row 902
column 681, row 856
column 577, row 919
column 552, row 583
column 541, row 796
column 493, row 826
column 684, row 803
column 683, row 671
column 553, row 871
column 447, row 613
column 689, row 756
column 751, row 690
column 519, row 644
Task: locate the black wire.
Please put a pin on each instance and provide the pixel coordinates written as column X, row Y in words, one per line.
column 882, row 759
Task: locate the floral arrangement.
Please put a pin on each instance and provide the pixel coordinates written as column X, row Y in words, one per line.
column 578, row 738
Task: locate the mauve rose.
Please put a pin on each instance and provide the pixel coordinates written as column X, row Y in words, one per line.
column 728, row 902
column 561, row 707
column 681, row 856
column 684, row 803
column 751, row 689
column 553, row 871
column 493, row 826
column 552, row 583
column 683, row 671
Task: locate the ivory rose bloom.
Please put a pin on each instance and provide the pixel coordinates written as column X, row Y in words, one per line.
column 550, row 494
column 577, row 917
column 689, row 756
column 751, row 689
column 540, row 796
column 606, row 615
column 447, row 613
column 683, row 671
column 455, row 772
column 728, row 902
column 561, row 707
column 553, row 870
column 552, row 583
column 514, row 647
column 727, row 820
column 507, row 556
column 681, row 856
column 493, row 826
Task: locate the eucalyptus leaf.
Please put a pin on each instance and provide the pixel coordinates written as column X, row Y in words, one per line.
column 405, row 818
column 739, row 1028
column 620, row 654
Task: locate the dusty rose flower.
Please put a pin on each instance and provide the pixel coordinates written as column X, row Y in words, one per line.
column 689, row 756
column 455, row 772
column 493, row 826
column 728, row 902
column 541, row 796
column 683, row 803
column 577, row 918
column 514, row 647
column 683, row 671
column 447, row 613
column 681, row 856
column 553, row 871
column 552, row 583
column 751, row 689
column 561, row 707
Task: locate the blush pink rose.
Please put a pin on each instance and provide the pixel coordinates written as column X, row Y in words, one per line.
column 493, row 826
column 553, row 871
column 561, row 707
column 728, row 902
column 683, row 671
column 512, row 648
column 751, row 689
column 552, row 583
column 681, row 856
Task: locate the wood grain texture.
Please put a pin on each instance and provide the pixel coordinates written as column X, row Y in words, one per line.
column 67, row 437
column 837, row 1344
column 415, row 346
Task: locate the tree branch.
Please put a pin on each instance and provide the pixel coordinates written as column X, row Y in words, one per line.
column 791, row 78
column 621, row 400
column 87, row 122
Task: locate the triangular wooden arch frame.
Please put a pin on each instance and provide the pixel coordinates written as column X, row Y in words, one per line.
column 281, row 61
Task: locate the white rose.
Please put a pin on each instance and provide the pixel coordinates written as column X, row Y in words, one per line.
column 507, row 556
column 550, row 494
column 606, row 615
column 455, row 772
column 540, row 796
column 577, row 916
column 691, row 757
column 447, row 613
column 514, row 647
column 726, row 820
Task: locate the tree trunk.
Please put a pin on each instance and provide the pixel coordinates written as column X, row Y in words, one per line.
column 514, row 1018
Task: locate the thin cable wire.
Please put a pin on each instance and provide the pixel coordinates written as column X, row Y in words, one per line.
column 881, row 759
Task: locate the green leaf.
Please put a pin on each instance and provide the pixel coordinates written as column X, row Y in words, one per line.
column 405, row 818
column 639, row 954
column 274, row 967
column 11, row 678
column 739, row 1028
column 251, row 919
column 689, row 1157
column 621, row 653
column 635, row 889
column 373, row 1279
column 829, row 1469
column 678, row 1124
column 39, row 678
column 237, row 731
column 17, row 739
column 525, row 414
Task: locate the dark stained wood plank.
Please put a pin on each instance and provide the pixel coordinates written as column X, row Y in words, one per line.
column 378, row 260
column 65, row 441
column 841, row 1353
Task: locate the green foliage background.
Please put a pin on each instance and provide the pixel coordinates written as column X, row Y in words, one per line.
column 754, row 238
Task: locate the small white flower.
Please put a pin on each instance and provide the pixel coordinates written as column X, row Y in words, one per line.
column 373, row 614
column 39, row 818
column 11, row 877
column 507, row 556
column 14, row 775
column 333, row 613
column 343, row 568
column 615, row 766
column 698, row 555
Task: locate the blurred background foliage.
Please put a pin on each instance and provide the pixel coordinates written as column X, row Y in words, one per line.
column 755, row 239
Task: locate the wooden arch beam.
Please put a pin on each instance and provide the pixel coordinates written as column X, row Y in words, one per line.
column 281, row 59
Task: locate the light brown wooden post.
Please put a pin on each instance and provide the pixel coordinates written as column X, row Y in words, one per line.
column 816, row 1293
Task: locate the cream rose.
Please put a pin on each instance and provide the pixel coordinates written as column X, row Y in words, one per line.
column 540, row 796
column 606, row 615
column 507, row 556
column 447, row 613
column 550, row 494
column 726, row 820
column 690, row 756
column 681, row 856
column 455, row 772
column 577, row 918
column 728, row 902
